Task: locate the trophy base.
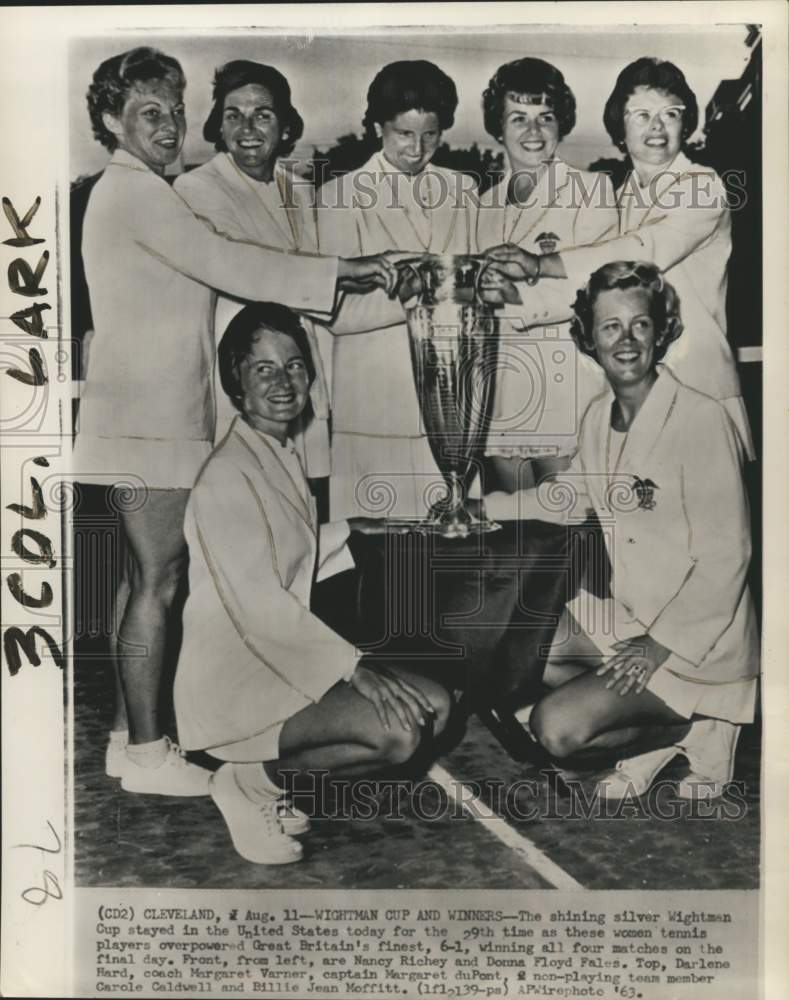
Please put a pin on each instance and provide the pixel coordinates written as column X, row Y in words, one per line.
column 451, row 529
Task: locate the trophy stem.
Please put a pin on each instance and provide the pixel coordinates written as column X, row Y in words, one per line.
column 450, row 519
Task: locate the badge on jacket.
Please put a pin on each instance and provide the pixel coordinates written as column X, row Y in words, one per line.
column 644, row 489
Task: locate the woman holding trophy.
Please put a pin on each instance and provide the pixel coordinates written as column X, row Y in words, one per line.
column 543, row 205
column 672, row 212
column 147, row 412
column 381, row 458
column 249, row 191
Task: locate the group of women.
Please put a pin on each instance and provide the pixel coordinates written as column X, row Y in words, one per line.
column 261, row 683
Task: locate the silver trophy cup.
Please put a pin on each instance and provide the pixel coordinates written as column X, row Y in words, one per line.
column 452, row 333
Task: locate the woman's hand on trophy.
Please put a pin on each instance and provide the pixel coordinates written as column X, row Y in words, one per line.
column 362, row 274
column 409, row 284
column 496, row 289
column 513, row 262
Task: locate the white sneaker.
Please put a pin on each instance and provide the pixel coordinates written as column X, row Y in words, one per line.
column 174, row 776
column 634, row 775
column 710, row 747
column 115, row 758
column 293, row 821
column 254, row 827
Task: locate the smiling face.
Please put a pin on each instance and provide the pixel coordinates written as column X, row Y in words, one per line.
column 274, row 383
column 653, row 126
column 624, row 336
column 410, row 139
column 251, row 130
column 530, row 133
column 152, row 124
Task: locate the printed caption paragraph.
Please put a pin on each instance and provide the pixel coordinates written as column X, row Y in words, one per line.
column 534, row 945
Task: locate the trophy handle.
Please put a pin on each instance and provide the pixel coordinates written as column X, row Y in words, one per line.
column 409, row 266
column 478, row 279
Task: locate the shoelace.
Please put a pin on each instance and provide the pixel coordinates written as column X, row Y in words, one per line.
column 174, row 750
column 270, row 815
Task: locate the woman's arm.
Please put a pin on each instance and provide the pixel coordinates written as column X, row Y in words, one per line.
column 166, row 228
column 363, row 313
column 688, row 214
column 236, row 542
column 685, row 215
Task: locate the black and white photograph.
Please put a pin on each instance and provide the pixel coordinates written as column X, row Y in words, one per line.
column 407, row 475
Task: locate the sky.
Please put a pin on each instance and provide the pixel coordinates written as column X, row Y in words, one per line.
column 329, row 75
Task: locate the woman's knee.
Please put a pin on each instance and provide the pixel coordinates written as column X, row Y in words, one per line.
column 398, row 745
column 160, row 578
column 556, row 730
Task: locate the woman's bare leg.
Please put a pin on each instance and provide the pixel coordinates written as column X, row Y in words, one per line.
column 343, row 734
column 120, row 721
column 572, row 653
column 583, row 718
column 157, row 563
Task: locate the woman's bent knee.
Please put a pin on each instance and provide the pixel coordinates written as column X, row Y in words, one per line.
column 559, row 735
column 399, row 745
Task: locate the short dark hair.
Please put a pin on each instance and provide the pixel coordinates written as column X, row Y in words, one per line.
column 236, row 344
column 664, row 304
column 658, row 74
column 240, row 73
column 532, row 78
column 115, row 78
column 406, row 85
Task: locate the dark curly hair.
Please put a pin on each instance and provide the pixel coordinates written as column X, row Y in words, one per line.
column 403, row 86
column 532, row 78
column 115, row 78
column 657, row 74
column 236, row 344
column 664, row 304
column 240, row 73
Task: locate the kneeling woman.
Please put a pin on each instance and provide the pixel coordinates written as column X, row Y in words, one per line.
column 263, row 684
column 674, row 671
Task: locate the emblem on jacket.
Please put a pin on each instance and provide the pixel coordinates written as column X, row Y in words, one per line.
column 644, row 489
column 547, row 242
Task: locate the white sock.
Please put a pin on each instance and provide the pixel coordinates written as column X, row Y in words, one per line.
column 255, row 783
column 119, row 737
column 152, row 754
